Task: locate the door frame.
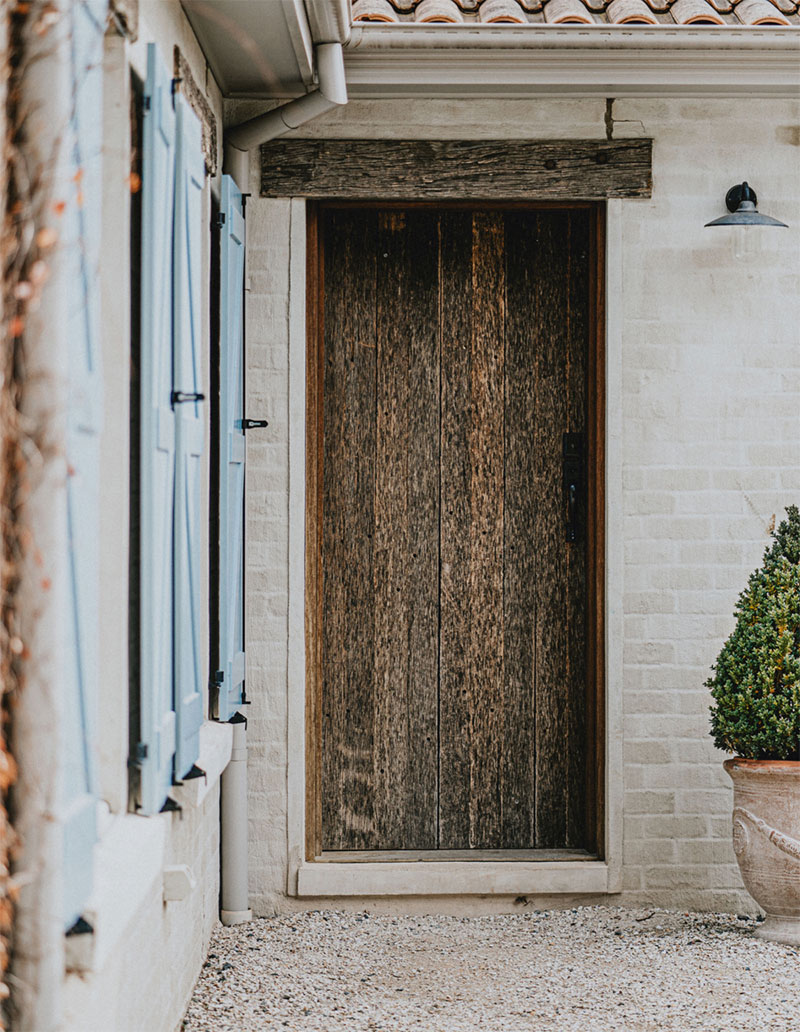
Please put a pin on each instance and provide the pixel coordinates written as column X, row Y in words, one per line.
column 596, row 502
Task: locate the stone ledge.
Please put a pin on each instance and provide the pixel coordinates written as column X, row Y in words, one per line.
column 444, row 878
column 132, row 851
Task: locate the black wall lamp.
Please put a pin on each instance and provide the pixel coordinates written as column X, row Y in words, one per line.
column 741, row 202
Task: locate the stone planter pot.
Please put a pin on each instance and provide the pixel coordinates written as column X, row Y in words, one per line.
column 766, row 840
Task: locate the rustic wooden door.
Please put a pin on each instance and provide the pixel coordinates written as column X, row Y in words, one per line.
column 454, row 515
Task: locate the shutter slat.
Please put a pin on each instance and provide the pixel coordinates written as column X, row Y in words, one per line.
column 187, row 323
column 232, row 451
column 157, row 717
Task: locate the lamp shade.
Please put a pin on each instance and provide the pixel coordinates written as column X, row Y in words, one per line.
column 741, row 202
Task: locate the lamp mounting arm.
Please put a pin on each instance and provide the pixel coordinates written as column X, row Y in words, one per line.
column 737, row 194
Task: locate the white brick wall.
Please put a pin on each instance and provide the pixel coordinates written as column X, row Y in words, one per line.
column 145, row 980
column 710, row 434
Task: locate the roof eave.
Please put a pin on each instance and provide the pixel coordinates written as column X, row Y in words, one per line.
column 525, row 60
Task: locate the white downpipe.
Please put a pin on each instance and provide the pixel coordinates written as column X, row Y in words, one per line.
column 235, row 908
column 332, row 92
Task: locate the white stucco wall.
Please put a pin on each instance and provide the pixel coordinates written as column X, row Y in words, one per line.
column 703, row 436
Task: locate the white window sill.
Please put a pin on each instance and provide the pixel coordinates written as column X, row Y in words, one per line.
column 446, row 878
column 131, row 854
column 216, row 740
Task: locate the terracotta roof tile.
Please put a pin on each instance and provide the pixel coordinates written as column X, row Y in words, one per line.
column 446, row 11
column 659, row 6
column 374, row 11
column 777, row 13
column 565, row 12
column 760, row 12
column 493, row 12
column 630, row 12
column 695, row 12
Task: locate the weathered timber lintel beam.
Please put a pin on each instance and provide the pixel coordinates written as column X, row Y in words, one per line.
column 457, row 169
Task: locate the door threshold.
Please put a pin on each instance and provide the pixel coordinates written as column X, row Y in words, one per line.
column 411, row 876
column 406, row 856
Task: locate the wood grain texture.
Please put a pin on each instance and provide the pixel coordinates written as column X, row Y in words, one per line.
column 484, row 586
column 520, row 553
column 441, row 169
column 313, row 542
column 406, row 531
column 471, row 643
column 455, row 728
column 458, row 702
column 348, row 697
column 551, row 638
column 577, row 587
column 595, row 545
column 543, row 245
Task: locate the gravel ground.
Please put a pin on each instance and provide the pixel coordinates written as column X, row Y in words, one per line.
column 593, row 969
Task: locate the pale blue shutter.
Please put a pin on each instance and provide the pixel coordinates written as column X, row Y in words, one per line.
column 157, row 717
column 81, row 242
column 232, row 452
column 187, row 383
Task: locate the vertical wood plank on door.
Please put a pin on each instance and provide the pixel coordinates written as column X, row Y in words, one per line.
column 545, row 249
column 577, row 345
column 471, row 649
column 455, row 728
column 485, row 585
column 406, row 556
column 520, row 553
column 349, row 431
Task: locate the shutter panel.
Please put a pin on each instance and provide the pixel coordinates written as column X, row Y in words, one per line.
column 81, row 241
column 157, row 717
column 232, row 452
column 187, row 323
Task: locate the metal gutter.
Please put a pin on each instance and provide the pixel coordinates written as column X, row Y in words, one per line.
column 331, row 92
column 329, row 20
column 477, row 60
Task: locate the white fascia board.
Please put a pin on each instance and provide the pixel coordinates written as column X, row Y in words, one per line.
column 297, row 25
column 394, row 61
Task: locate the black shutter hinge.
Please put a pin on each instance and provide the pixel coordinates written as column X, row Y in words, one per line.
column 218, row 679
column 170, row 806
column 81, row 927
column 179, row 397
column 245, row 701
column 146, row 100
column 195, row 772
column 219, row 220
column 254, row 424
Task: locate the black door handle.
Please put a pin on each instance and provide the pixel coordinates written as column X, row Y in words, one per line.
column 254, row 424
column 573, row 475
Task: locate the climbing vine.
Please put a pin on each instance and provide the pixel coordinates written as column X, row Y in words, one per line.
column 14, row 242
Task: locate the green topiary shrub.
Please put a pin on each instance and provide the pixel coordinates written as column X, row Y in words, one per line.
column 756, row 682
